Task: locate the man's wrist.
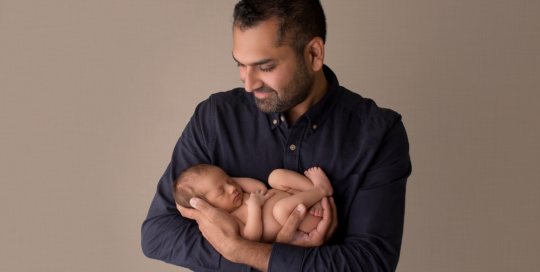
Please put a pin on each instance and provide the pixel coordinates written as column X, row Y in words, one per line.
column 233, row 244
column 248, row 252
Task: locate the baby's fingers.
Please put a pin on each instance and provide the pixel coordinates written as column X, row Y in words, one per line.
column 269, row 195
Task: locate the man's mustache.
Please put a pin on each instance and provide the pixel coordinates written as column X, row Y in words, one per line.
column 264, row 89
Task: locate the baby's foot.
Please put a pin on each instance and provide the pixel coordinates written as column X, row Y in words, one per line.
column 319, row 179
column 316, row 209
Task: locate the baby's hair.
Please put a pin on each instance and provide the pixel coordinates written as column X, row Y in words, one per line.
column 183, row 185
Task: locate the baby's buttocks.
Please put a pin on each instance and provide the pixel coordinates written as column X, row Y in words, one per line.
column 270, row 224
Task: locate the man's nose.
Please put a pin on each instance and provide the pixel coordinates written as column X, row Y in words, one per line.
column 251, row 80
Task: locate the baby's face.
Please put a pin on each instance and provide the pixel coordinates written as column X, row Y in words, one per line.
column 220, row 190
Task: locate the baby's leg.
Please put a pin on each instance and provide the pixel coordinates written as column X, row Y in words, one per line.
column 286, row 180
column 284, row 207
column 321, row 187
column 289, row 181
column 319, row 179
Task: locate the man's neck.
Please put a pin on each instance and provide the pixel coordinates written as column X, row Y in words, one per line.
column 319, row 89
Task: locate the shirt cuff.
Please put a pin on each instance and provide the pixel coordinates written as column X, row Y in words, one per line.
column 285, row 257
column 227, row 265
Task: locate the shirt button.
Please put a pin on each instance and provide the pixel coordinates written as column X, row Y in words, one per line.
column 292, row 147
column 282, row 118
column 314, row 126
column 275, row 121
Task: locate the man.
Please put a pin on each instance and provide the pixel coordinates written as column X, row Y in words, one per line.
column 291, row 114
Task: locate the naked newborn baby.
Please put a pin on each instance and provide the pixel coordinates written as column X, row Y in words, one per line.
column 260, row 213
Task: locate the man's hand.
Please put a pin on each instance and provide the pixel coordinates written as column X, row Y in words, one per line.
column 216, row 225
column 290, row 234
column 221, row 230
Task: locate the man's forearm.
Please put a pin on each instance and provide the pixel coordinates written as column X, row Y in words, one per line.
column 254, row 254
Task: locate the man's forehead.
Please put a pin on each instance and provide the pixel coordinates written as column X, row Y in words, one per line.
column 259, row 56
column 255, row 44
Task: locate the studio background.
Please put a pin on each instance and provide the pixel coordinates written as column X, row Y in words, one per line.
column 94, row 95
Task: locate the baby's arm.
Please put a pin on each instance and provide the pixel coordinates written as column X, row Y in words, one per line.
column 254, row 225
column 250, row 185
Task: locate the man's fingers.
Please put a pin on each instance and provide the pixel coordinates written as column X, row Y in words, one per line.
column 334, row 212
column 202, row 206
column 327, row 212
column 333, row 219
column 188, row 213
column 327, row 216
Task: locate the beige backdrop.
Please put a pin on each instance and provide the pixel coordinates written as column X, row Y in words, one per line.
column 94, row 95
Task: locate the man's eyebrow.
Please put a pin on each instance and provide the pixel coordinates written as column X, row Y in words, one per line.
column 261, row 62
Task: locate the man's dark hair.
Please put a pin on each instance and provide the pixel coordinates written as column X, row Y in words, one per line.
column 299, row 20
column 183, row 185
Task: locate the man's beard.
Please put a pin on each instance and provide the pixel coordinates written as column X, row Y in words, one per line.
column 293, row 94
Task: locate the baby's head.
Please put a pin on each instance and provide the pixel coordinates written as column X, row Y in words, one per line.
column 209, row 183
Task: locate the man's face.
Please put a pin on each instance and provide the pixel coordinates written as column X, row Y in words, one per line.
column 220, row 190
column 274, row 75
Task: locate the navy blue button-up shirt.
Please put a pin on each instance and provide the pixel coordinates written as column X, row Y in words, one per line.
column 362, row 148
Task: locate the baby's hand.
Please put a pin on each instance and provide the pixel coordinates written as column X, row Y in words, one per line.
column 259, row 197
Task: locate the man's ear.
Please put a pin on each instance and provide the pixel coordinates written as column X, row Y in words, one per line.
column 315, row 53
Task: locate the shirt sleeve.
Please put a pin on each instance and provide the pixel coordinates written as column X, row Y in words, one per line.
column 374, row 225
column 165, row 234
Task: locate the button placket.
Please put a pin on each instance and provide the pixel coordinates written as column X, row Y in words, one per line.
column 292, row 155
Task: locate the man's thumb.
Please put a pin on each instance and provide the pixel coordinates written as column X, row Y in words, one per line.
column 300, row 209
column 296, row 217
column 196, row 203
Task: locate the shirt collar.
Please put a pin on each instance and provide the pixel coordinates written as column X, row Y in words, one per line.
column 318, row 113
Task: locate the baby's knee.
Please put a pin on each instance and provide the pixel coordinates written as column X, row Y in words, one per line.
column 275, row 177
column 281, row 213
